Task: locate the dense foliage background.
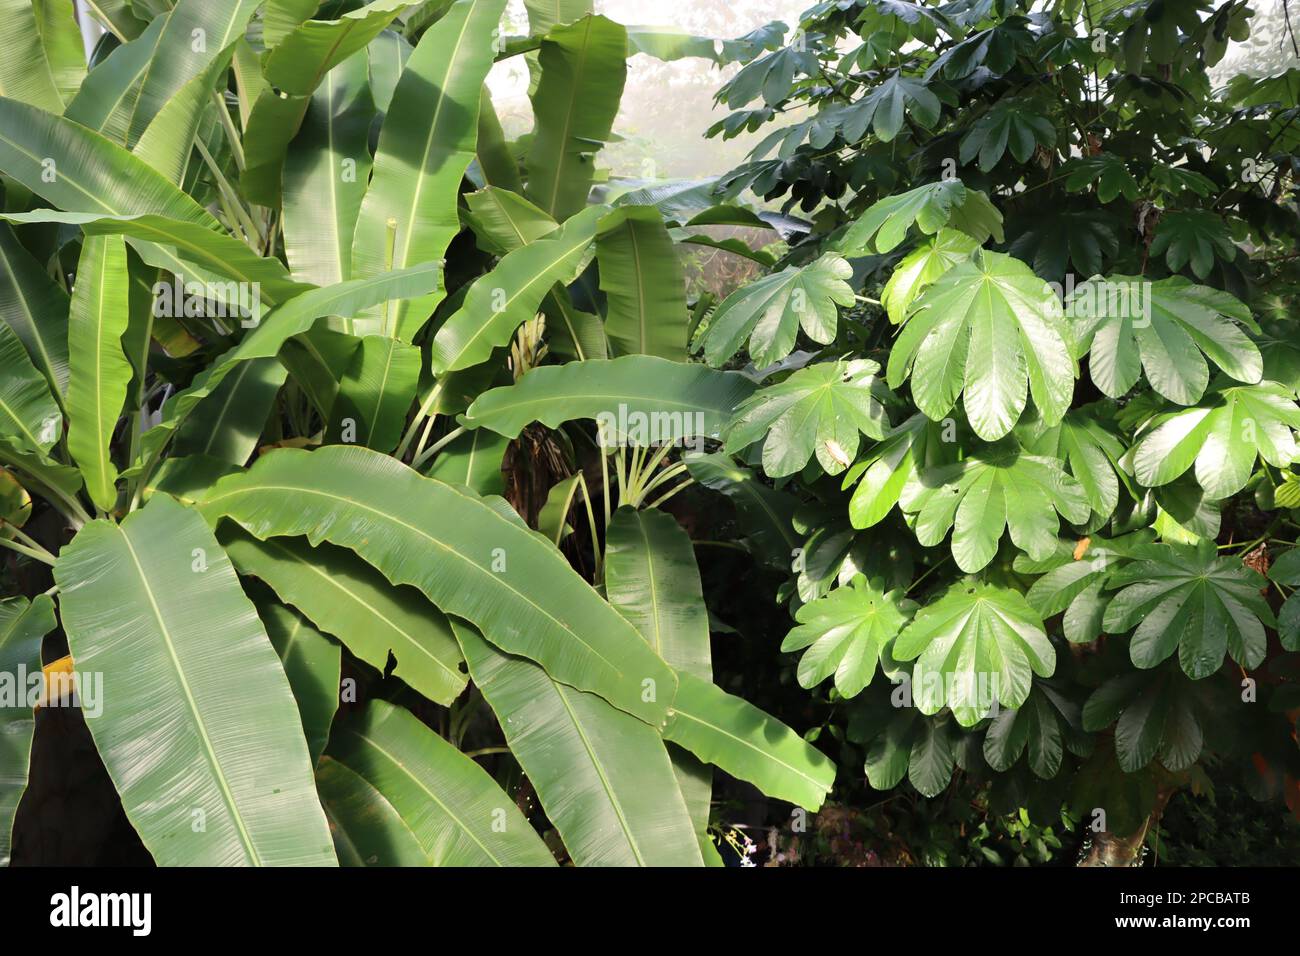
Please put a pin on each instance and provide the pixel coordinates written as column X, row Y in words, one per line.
column 929, row 474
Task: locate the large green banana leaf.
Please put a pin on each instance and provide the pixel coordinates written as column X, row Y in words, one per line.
column 91, row 173
column 376, row 391
column 298, row 62
column 652, row 579
column 36, row 308
column 733, row 734
column 26, row 70
column 22, row 626
column 272, row 124
column 293, row 318
column 229, row 423
column 367, row 829
column 544, row 15
column 505, row 221
column 144, row 84
column 187, row 249
column 495, row 160
column 458, row 814
column 344, row 596
column 99, row 370
column 409, row 214
column 154, row 606
column 312, row 662
column 168, row 142
column 473, row 460
column 102, row 102
column 643, row 283
column 583, row 68
column 603, row 777
column 639, row 398
column 28, row 411
column 325, row 174
column 499, row 302
column 468, row 559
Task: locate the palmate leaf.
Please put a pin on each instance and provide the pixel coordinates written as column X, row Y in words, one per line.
column 885, row 224
column 846, row 633
column 991, row 330
column 1052, row 244
column 1109, row 173
column 883, row 108
column 583, row 68
column 639, row 399
column 1157, row 714
column 1010, row 126
column 976, row 643
column 154, row 606
column 899, row 742
column 23, row 624
column 821, row 409
column 500, row 301
column 1001, row 487
column 1222, row 434
column 344, row 596
column 99, row 371
column 516, row 587
column 1193, row 600
column 882, row 476
column 920, row 267
column 1193, row 236
column 603, row 777
column 458, row 814
column 1091, row 451
column 1075, row 585
column 769, row 312
column 1045, row 725
column 423, row 154
column 1129, row 325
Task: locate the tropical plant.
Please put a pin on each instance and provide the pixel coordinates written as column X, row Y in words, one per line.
column 284, row 314
column 1034, row 477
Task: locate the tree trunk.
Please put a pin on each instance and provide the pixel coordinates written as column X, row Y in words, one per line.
column 1109, row 849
